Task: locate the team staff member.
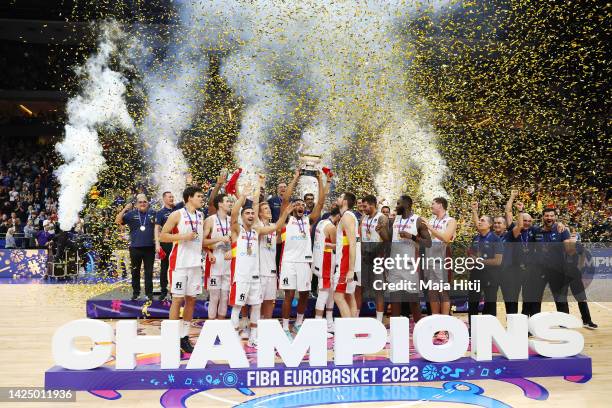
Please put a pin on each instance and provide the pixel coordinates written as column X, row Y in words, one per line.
column 552, row 246
column 485, row 245
column 141, row 222
column 160, row 219
column 574, row 261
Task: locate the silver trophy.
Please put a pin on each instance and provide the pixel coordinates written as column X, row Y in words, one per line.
column 310, row 164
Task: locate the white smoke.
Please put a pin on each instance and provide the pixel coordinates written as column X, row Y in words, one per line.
column 340, row 57
column 100, row 103
column 173, row 97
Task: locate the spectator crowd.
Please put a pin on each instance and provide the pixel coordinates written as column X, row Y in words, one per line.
column 28, row 196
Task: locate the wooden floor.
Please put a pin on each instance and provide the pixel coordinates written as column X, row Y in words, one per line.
column 31, row 313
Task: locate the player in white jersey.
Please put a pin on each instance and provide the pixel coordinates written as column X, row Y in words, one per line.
column 245, row 285
column 324, row 265
column 442, row 228
column 374, row 244
column 217, row 241
column 409, row 232
column 184, row 228
column 348, row 257
column 267, row 262
column 296, row 251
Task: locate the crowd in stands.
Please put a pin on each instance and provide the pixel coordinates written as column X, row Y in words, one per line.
column 28, row 196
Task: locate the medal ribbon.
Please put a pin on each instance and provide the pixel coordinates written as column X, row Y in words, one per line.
column 142, row 223
column 191, row 223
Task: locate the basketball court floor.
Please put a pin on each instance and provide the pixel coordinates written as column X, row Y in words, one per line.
column 32, row 312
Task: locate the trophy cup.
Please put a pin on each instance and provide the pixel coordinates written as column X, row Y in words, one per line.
column 310, row 164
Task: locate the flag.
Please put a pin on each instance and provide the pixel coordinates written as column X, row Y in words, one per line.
column 230, row 187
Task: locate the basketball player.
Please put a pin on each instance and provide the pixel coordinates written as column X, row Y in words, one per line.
column 323, row 266
column 442, row 228
column 184, row 229
column 374, row 235
column 296, row 252
column 409, row 232
column 217, row 242
column 221, row 179
column 267, row 262
column 348, row 257
column 245, row 285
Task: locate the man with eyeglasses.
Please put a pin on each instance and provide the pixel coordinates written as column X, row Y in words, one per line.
column 141, row 222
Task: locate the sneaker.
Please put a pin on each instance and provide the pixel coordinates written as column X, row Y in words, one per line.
column 288, row 333
column 245, row 334
column 330, row 327
column 135, row 296
column 162, row 297
column 150, row 298
column 186, row 346
column 590, row 325
column 252, row 342
column 330, row 335
column 296, row 327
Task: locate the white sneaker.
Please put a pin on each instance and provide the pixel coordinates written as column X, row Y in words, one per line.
column 330, row 335
column 252, row 342
column 245, row 334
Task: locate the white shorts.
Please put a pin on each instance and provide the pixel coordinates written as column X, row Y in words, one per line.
column 245, row 293
column 186, row 281
column 269, row 285
column 218, row 282
column 295, row 276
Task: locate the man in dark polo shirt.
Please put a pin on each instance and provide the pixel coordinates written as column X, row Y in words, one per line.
column 141, row 222
column 160, row 219
column 551, row 248
column 485, row 245
column 276, row 201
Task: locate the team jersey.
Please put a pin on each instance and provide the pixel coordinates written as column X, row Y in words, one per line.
column 322, row 258
column 438, row 249
column 188, row 254
column 297, row 244
column 267, row 254
column 221, row 227
column 408, row 225
column 343, row 248
column 368, row 228
column 245, row 257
